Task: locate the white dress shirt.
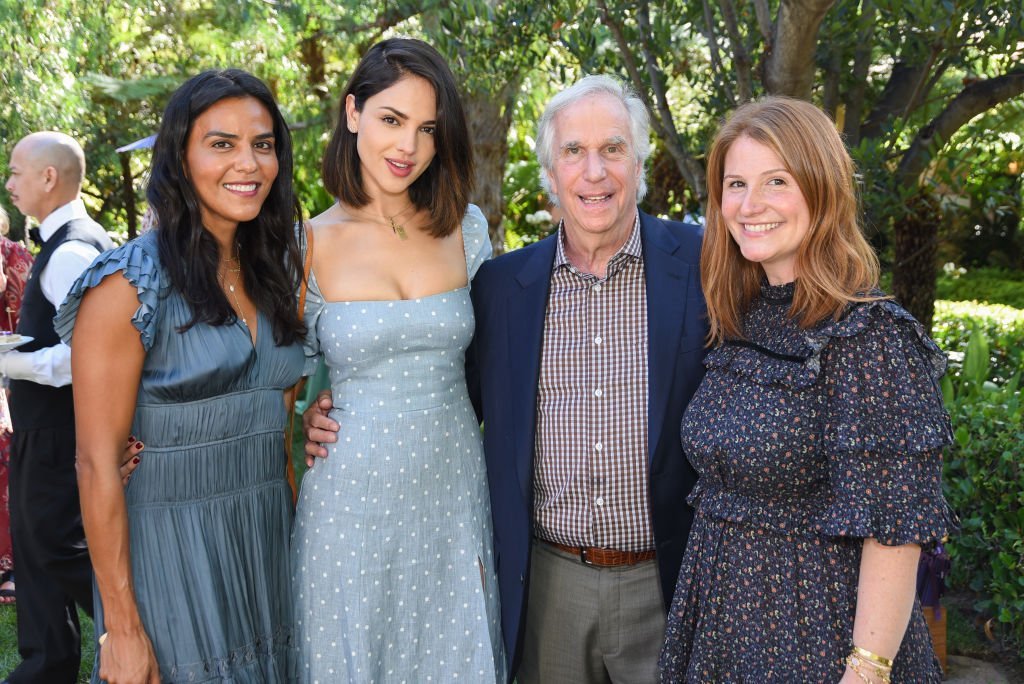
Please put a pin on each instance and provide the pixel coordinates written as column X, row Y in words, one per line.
column 52, row 365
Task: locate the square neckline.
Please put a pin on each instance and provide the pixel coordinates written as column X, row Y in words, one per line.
column 454, row 290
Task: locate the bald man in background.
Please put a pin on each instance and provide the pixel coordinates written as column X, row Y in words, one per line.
column 46, row 173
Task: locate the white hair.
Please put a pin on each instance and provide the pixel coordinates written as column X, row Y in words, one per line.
column 639, row 125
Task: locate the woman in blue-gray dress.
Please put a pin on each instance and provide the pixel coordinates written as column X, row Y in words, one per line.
column 187, row 336
column 394, row 569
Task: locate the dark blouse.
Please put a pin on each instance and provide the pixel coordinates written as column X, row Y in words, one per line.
column 806, row 442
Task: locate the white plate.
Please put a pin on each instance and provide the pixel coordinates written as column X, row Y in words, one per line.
column 8, row 345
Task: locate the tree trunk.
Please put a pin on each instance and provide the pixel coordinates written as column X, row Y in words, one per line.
column 790, row 67
column 916, row 244
column 490, row 115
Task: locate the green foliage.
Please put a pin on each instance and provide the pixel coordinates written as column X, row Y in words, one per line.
column 1004, row 335
column 980, row 184
column 984, row 471
column 988, row 285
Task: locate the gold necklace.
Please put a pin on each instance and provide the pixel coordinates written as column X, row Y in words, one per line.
column 396, row 227
column 231, row 287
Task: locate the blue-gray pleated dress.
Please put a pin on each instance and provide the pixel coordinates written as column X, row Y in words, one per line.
column 209, row 507
column 394, row 572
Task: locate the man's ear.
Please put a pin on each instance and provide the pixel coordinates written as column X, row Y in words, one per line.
column 50, row 178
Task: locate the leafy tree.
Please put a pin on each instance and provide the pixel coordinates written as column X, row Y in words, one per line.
column 901, row 77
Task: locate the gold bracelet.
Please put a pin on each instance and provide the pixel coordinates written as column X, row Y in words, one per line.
column 873, row 658
column 854, row 663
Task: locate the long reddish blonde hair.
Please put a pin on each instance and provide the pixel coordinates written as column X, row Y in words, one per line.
column 835, row 265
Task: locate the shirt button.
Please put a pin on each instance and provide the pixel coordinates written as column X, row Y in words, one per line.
column 599, row 501
column 597, row 447
column 598, row 340
column 597, row 288
column 598, row 393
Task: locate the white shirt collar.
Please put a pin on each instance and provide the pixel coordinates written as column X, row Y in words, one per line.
column 75, row 209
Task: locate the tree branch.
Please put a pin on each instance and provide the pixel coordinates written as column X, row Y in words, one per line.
column 740, row 57
column 832, row 74
column 973, row 100
column 691, row 169
column 894, row 98
column 661, row 115
column 715, row 51
column 861, row 64
column 764, row 22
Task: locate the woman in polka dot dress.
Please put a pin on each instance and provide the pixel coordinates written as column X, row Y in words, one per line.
column 817, row 432
column 393, row 563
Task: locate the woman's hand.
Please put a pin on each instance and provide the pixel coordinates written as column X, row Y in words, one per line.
column 130, row 459
column 127, row 658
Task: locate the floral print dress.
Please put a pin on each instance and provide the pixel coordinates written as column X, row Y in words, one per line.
column 806, row 442
column 17, row 262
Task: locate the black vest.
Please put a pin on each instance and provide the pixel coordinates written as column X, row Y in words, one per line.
column 35, row 406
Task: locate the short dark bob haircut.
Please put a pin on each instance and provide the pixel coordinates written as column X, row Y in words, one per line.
column 445, row 186
column 267, row 246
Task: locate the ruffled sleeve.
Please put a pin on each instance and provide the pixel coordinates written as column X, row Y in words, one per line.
column 310, row 316
column 475, row 239
column 138, row 263
column 885, row 427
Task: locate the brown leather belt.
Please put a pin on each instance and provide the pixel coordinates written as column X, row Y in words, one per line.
column 603, row 558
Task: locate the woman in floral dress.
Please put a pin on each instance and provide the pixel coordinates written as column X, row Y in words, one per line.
column 15, row 263
column 817, row 432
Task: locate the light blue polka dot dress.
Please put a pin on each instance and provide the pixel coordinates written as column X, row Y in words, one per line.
column 393, row 561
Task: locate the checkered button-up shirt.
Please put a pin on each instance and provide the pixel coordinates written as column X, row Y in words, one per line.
column 591, row 461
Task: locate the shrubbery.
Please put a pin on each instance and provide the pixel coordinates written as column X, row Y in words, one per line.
column 984, row 471
column 992, row 285
column 1004, row 332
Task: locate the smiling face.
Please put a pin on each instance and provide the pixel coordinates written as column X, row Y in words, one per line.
column 595, row 171
column 764, row 208
column 231, row 160
column 395, row 135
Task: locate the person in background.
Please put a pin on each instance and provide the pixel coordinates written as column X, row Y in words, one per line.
column 817, row 432
column 15, row 264
column 187, row 337
column 395, row 572
column 46, row 174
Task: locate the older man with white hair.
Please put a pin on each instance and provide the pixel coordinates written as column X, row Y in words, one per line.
column 45, row 180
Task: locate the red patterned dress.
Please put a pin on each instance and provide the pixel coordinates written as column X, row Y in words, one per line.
column 17, row 261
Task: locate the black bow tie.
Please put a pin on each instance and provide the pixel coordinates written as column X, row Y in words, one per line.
column 35, row 235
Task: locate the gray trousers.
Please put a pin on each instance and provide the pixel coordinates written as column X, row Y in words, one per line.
column 591, row 625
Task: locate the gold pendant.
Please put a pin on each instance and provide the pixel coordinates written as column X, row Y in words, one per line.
column 398, row 230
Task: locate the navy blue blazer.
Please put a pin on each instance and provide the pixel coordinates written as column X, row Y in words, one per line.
column 510, row 295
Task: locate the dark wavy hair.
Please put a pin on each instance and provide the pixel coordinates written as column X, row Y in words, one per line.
column 445, row 186
column 267, row 246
